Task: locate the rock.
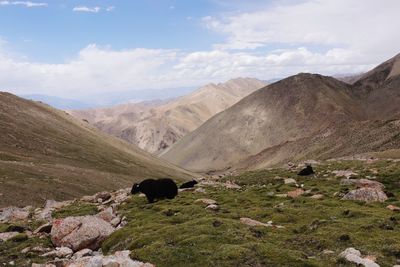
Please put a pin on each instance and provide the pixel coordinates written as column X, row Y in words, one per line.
column 206, row 201
column 83, row 253
column 80, row 232
column 119, row 259
column 289, row 181
column 366, row 194
column 344, row 173
column 231, row 185
column 103, row 196
column 353, row 255
column 200, row 190
column 317, row 196
column 25, row 250
column 393, row 208
column 116, row 221
column 362, row 183
column 8, row 235
column 212, row 207
column 107, row 215
column 49, row 207
column 43, row 265
column 252, row 222
column 12, row 214
column 62, row 252
column 327, row 252
column 281, row 195
column 45, row 228
column 295, row 193
column 90, row 199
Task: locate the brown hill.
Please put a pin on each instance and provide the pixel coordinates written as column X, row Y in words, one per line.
column 156, row 126
column 306, row 115
column 45, row 153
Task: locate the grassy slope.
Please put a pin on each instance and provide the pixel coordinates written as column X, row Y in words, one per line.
column 45, row 153
column 180, row 233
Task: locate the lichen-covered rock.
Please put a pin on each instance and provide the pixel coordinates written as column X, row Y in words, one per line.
column 61, row 252
column 11, row 214
column 212, row 207
column 362, row 183
column 252, row 222
column 80, row 232
column 367, row 194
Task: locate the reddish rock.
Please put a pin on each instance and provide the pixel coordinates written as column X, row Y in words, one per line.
column 295, row 193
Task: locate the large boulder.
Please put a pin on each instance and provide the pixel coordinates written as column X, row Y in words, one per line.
column 367, row 194
column 80, row 232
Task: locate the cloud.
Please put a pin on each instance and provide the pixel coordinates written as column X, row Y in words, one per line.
column 101, row 69
column 367, row 26
column 95, row 9
column 110, row 8
column 23, row 3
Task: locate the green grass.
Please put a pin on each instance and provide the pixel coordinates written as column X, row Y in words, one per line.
column 180, row 233
column 77, row 209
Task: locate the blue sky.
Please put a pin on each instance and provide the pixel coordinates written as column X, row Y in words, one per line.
column 81, row 48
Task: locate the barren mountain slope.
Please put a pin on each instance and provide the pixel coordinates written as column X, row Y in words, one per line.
column 294, row 108
column 45, row 153
column 156, row 126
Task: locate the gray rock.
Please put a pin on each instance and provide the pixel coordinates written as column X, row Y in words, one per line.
column 353, row 255
column 80, row 232
column 61, row 252
column 12, row 214
column 366, row 194
column 7, row 236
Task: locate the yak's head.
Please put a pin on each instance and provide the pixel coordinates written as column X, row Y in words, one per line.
column 135, row 189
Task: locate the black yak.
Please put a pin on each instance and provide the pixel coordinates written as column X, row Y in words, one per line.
column 156, row 189
column 306, row 171
column 189, row 184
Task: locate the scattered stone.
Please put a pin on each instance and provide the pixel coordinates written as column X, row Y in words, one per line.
column 317, row 196
column 366, row 194
column 60, row 252
column 45, row 228
column 327, row 252
column 231, row 185
column 344, row 173
column 119, row 259
column 206, row 201
column 83, row 253
column 353, row 255
column 281, row 195
column 12, row 214
column 103, row 196
column 90, row 199
column 289, row 181
column 295, row 193
column 49, row 207
column 393, row 208
column 252, row 222
column 80, row 232
column 25, row 250
column 212, row 207
column 200, row 190
column 116, row 221
column 8, row 235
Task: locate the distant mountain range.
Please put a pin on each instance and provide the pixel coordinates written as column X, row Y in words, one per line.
column 156, row 125
column 47, row 154
column 302, row 116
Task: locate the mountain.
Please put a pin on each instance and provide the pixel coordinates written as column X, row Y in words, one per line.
column 47, row 154
column 155, row 126
column 303, row 116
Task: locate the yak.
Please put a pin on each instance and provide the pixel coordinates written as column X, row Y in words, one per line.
column 156, row 189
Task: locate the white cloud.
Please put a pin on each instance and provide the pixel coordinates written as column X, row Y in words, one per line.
column 23, row 3
column 100, row 69
column 110, row 8
column 368, row 26
column 95, row 9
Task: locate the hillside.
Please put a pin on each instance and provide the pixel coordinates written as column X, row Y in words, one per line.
column 301, row 116
column 45, row 153
column 155, row 126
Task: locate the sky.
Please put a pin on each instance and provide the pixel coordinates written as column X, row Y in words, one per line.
column 78, row 49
